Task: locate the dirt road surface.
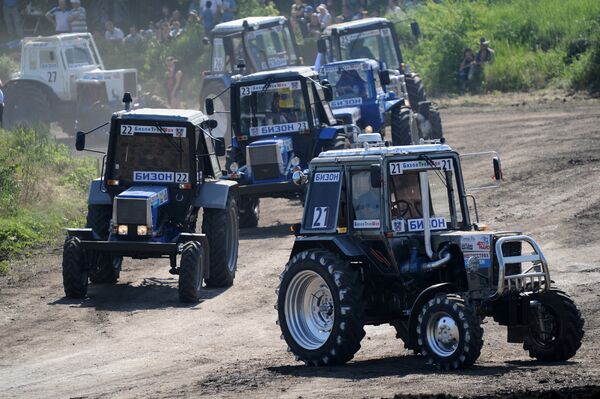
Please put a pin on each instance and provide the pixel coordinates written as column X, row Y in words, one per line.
column 134, row 339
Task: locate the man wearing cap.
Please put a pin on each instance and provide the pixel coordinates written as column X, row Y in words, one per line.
column 77, row 17
column 485, row 55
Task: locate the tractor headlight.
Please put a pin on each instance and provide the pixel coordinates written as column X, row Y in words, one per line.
column 295, row 161
column 142, row 230
column 122, row 230
column 369, row 129
column 234, row 167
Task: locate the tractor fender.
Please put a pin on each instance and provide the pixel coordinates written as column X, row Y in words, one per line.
column 423, row 297
column 12, row 87
column 389, row 104
column 337, row 244
column 213, row 194
column 327, row 133
column 96, row 196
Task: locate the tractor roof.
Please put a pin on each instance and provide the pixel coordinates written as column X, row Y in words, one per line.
column 358, row 153
column 56, row 38
column 291, row 72
column 235, row 26
column 359, row 24
column 164, row 115
column 366, row 61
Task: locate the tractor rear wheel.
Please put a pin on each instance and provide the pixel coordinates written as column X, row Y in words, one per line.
column 249, row 211
column 221, row 229
column 107, row 267
column 27, row 105
column 321, row 308
column 401, row 127
column 74, row 270
column 191, row 270
column 556, row 327
column 449, row 334
column 416, row 94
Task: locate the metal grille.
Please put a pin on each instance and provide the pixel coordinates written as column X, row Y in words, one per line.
column 265, row 161
column 132, row 211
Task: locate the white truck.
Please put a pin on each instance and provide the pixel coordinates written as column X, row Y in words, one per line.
column 62, row 79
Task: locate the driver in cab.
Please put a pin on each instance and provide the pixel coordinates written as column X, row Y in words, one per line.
column 350, row 85
column 282, row 109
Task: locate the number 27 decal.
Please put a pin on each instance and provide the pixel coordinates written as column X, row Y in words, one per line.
column 52, row 77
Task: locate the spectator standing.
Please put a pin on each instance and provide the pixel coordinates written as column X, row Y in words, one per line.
column 1, row 103
column 484, row 56
column 208, row 18
column 214, row 7
column 465, row 68
column 174, row 77
column 297, row 13
column 314, row 26
column 134, row 36
column 325, row 18
column 12, row 19
column 229, row 10
column 77, row 17
column 59, row 17
column 112, row 33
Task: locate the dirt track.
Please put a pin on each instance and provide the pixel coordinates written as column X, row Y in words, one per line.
column 135, row 340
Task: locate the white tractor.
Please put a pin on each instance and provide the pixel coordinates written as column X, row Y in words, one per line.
column 62, row 79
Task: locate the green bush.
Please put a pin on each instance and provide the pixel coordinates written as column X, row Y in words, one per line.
column 7, row 67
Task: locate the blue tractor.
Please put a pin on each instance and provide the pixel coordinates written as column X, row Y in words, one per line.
column 160, row 171
column 245, row 46
column 360, row 96
column 280, row 121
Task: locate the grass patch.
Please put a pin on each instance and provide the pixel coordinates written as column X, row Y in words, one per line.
column 42, row 191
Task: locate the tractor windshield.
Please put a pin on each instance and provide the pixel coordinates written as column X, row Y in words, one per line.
column 406, row 206
column 151, row 154
column 376, row 44
column 79, row 54
column 271, row 48
column 272, row 108
column 350, row 84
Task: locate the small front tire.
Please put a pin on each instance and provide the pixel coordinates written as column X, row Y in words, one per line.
column 75, row 274
column 191, row 271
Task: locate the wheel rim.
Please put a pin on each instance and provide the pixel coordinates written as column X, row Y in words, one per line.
column 443, row 335
column 544, row 327
column 309, row 310
column 232, row 239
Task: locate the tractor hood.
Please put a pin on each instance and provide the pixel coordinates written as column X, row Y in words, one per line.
column 350, row 115
column 117, row 81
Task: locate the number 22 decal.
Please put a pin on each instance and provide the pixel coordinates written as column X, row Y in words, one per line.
column 127, row 130
column 320, row 217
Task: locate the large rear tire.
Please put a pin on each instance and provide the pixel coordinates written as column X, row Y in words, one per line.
column 221, row 227
column 107, row 267
column 401, row 127
column 27, row 105
column 449, row 334
column 416, row 94
column 191, row 270
column 561, row 336
column 320, row 308
column 74, row 270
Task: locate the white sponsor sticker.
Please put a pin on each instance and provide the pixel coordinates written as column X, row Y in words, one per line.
column 348, row 102
column 248, row 90
column 355, row 66
column 475, row 242
column 367, row 224
column 346, row 39
column 397, row 168
column 278, row 129
column 434, row 224
column 160, row 177
column 320, row 217
column 130, row 130
column 399, row 225
column 327, row 177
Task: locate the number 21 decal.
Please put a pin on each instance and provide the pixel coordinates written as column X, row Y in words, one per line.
column 320, row 217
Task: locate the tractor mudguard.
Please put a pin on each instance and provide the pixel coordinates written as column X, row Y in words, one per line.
column 388, row 105
column 96, row 196
column 327, row 133
column 84, row 234
column 213, row 194
column 340, row 244
column 423, row 297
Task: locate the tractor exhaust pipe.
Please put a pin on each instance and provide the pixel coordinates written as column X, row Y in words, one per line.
column 127, row 100
column 424, row 180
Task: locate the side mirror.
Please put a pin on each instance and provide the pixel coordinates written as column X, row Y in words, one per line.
column 327, row 90
column 220, row 147
column 385, row 77
column 321, row 46
column 416, row 30
column 205, row 41
column 241, row 64
column 209, row 106
column 497, row 169
column 376, row 176
column 80, row 141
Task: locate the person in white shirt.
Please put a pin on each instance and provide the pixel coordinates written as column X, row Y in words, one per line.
column 59, row 16
column 77, row 17
column 113, row 33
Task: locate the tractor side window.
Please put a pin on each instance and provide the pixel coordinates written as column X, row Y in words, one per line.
column 313, row 106
column 366, row 201
column 78, row 56
column 47, row 59
column 218, row 58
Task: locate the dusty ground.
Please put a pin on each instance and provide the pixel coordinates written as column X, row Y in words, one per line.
column 135, row 340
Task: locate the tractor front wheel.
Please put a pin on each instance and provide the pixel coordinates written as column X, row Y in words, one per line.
column 249, row 211
column 401, row 126
column 74, row 270
column 320, row 308
column 556, row 327
column 449, row 334
column 191, row 270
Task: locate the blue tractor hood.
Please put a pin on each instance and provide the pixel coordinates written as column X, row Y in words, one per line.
column 139, row 205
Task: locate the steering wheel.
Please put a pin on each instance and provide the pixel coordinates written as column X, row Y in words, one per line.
column 400, row 208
